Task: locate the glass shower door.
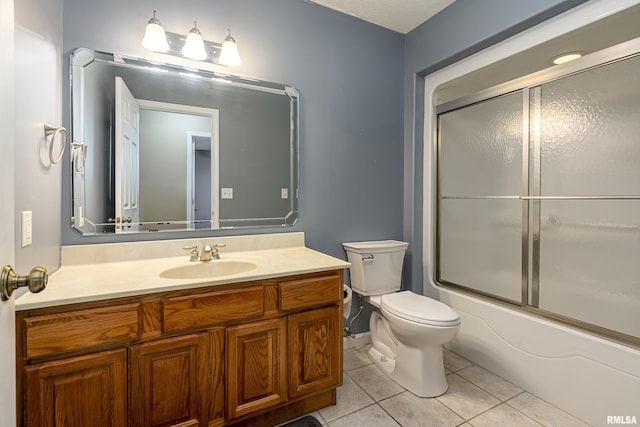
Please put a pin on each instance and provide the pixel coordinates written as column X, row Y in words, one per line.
column 586, row 132
column 480, row 227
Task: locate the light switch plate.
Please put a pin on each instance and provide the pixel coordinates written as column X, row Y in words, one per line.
column 284, row 193
column 226, row 193
column 27, row 226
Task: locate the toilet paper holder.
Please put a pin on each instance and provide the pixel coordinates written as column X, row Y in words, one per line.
column 347, row 310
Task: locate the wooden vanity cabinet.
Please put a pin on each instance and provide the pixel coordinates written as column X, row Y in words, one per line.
column 81, row 391
column 255, row 353
column 169, row 381
column 256, row 366
column 315, row 351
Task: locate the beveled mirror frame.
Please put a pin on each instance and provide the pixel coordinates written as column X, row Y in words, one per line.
column 249, row 94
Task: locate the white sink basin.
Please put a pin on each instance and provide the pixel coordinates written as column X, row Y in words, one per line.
column 203, row 270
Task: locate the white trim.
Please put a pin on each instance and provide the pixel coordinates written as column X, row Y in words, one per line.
column 191, row 173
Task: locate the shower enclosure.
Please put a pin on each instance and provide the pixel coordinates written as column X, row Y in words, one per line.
column 538, row 195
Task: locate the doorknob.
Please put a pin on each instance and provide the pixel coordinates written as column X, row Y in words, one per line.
column 10, row 281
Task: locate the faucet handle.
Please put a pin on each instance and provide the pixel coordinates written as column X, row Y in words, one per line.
column 194, row 252
column 215, row 254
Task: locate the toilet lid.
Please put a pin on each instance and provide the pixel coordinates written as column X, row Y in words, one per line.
column 419, row 309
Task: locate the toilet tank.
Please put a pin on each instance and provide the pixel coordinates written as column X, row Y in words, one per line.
column 376, row 266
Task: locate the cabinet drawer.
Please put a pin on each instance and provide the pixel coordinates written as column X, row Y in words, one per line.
column 310, row 292
column 211, row 308
column 75, row 330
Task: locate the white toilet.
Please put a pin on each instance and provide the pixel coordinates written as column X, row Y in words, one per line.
column 407, row 329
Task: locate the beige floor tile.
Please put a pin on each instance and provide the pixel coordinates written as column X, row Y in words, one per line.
column 503, row 416
column 371, row 416
column 466, row 399
column 356, row 357
column 454, row 362
column 375, row 383
column 490, row 382
column 412, row 411
column 350, row 398
column 543, row 412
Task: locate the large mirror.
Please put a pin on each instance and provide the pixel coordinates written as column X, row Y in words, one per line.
column 160, row 147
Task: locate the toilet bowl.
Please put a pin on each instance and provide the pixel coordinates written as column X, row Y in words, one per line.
column 407, row 330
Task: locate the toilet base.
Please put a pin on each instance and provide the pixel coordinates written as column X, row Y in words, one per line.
column 421, row 370
column 382, row 361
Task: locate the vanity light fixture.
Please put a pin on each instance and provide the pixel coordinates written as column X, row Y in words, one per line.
column 229, row 55
column 155, row 38
column 192, row 46
column 566, row 57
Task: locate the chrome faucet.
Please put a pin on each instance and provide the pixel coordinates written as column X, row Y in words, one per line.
column 210, row 252
column 194, row 255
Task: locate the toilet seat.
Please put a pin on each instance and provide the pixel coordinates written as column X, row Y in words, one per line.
column 420, row 309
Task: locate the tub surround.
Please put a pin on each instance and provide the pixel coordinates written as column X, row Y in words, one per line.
column 100, row 272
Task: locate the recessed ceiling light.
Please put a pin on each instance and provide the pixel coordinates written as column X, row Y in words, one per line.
column 566, row 57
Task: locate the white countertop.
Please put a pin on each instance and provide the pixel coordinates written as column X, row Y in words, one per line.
column 84, row 282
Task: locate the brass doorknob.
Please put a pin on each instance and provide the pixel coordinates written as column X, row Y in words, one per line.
column 10, row 281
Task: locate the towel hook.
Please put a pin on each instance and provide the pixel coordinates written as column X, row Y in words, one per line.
column 78, row 155
column 53, row 130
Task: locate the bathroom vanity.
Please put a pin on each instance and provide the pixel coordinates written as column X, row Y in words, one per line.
column 252, row 348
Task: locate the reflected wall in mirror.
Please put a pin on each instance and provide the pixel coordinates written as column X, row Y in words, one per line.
column 159, row 147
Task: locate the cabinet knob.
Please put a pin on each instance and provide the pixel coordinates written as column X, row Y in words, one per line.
column 36, row 281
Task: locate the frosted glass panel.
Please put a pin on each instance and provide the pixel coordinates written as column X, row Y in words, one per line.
column 589, row 131
column 480, row 245
column 590, row 262
column 582, row 188
column 481, row 148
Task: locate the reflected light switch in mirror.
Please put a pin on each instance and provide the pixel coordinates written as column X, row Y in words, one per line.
column 226, row 193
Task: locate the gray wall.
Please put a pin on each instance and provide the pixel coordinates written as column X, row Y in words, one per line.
column 99, row 113
column 37, row 99
column 163, row 181
column 348, row 73
column 359, row 178
column 460, row 30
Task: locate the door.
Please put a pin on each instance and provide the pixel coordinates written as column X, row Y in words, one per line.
column 81, row 391
column 256, row 366
column 168, row 382
column 314, row 351
column 201, row 167
column 7, row 314
column 127, row 159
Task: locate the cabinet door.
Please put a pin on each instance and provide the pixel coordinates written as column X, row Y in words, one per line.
column 256, row 366
column 80, row 391
column 168, row 382
column 315, row 351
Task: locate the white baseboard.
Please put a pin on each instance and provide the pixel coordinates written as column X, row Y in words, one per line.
column 357, row 340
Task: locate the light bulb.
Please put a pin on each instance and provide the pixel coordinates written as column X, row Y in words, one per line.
column 154, row 37
column 194, row 46
column 229, row 55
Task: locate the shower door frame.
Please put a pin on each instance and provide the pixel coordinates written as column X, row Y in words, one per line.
column 531, row 187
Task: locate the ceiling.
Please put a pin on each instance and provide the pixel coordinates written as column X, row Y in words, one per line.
column 405, row 15
column 609, row 31
column 397, row 15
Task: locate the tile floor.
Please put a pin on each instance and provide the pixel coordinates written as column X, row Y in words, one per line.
column 476, row 397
